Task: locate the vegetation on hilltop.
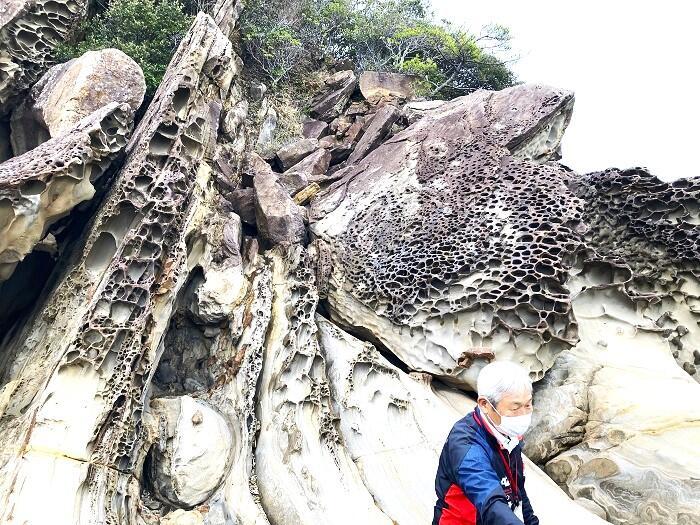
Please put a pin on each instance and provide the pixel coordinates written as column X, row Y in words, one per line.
column 285, row 41
column 148, row 31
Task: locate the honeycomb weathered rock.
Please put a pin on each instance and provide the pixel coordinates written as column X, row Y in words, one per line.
column 30, row 30
column 70, row 91
column 46, row 183
column 95, row 342
column 454, row 235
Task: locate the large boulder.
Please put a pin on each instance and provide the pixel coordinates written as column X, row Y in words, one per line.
column 617, row 419
column 333, row 98
column 295, row 151
column 30, row 30
column 278, row 218
column 70, row 91
column 605, row 425
column 453, row 236
column 377, row 86
column 191, row 453
column 376, row 131
column 45, row 184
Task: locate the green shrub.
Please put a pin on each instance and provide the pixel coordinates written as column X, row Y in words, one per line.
column 286, row 39
column 147, row 31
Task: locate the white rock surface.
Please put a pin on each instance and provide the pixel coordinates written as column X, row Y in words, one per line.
column 395, row 425
column 304, row 473
column 192, row 450
column 618, row 420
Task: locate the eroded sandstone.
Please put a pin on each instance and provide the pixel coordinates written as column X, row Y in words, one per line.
column 30, row 30
column 73, row 90
column 82, row 369
column 45, row 184
column 454, row 235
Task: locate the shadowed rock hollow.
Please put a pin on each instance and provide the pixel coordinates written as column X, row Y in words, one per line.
column 223, row 340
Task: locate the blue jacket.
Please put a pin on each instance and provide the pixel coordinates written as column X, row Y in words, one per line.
column 475, row 478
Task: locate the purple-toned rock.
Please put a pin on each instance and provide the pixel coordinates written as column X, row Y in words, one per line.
column 278, row 217
column 242, row 203
column 315, row 164
column 376, row 131
column 314, row 129
column 292, row 153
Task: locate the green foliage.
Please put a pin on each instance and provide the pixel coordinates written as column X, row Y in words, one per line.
column 146, row 30
column 288, row 38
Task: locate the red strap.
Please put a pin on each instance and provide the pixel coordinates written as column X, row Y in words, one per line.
column 509, row 473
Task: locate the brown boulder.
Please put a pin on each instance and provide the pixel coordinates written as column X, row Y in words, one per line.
column 330, row 102
column 296, row 151
column 278, row 217
column 69, row 92
column 376, row 86
column 314, row 129
column 315, row 164
column 376, row 131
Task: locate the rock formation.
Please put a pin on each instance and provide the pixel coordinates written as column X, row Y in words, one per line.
column 227, row 340
column 455, row 236
column 71, row 91
column 44, row 184
column 29, row 32
column 76, row 405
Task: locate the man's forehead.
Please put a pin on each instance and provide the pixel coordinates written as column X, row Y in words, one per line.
column 517, row 397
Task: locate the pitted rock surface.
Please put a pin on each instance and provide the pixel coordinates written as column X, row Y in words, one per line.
column 95, row 341
column 648, row 231
column 454, row 236
column 46, row 183
column 30, row 30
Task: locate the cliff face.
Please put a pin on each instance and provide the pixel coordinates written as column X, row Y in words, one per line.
column 210, row 337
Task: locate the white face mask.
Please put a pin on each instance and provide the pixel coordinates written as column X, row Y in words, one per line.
column 513, row 426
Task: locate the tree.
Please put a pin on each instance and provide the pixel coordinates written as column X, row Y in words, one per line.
column 147, row 31
column 287, row 39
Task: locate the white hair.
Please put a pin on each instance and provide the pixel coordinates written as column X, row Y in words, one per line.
column 500, row 378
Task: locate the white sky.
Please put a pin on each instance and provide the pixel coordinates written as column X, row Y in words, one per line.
column 634, row 66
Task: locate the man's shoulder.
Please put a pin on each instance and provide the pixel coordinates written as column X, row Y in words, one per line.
column 465, row 430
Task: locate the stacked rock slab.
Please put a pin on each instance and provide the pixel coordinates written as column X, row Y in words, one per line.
column 46, row 183
column 451, row 237
column 30, row 30
column 81, row 371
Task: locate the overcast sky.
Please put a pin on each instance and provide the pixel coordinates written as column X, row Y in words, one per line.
column 634, row 66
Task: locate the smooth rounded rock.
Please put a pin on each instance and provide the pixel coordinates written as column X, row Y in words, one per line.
column 70, row 91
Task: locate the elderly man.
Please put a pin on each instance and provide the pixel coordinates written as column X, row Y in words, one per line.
column 480, row 475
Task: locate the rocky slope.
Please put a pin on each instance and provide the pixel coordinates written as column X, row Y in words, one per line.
column 193, row 334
